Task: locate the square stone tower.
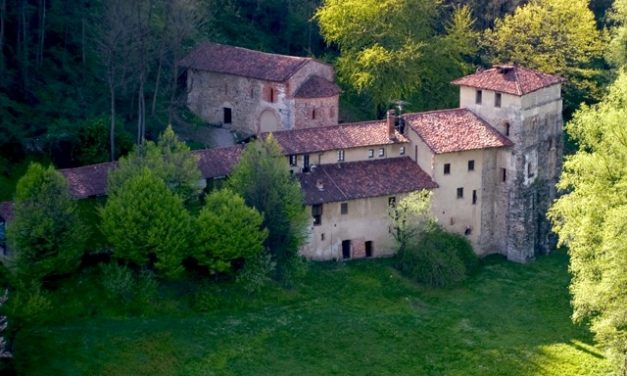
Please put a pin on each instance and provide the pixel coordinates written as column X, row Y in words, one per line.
column 525, row 106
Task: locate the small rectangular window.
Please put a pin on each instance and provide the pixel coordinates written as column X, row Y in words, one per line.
column 460, row 192
column 530, row 172
column 471, row 165
column 402, row 152
column 293, row 160
column 478, row 96
column 271, row 95
column 227, row 115
column 344, row 208
column 316, row 213
column 503, row 174
column 497, row 100
column 370, row 153
column 507, row 128
column 340, row 155
column 313, row 114
column 447, row 168
column 381, row 152
column 322, row 236
column 392, row 201
column 474, row 196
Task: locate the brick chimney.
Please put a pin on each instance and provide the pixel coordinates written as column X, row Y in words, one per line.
column 391, row 122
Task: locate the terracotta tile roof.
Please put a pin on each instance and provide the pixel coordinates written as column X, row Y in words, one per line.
column 6, row 211
column 448, row 131
column 355, row 180
column 88, row 181
column 510, row 79
column 219, row 161
column 243, row 62
column 317, row 87
column 343, row 136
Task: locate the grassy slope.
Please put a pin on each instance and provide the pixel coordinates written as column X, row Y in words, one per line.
column 357, row 318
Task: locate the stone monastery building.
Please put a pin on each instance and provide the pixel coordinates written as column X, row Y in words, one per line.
column 492, row 163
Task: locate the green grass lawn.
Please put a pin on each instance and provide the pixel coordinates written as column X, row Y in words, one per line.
column 358, row 318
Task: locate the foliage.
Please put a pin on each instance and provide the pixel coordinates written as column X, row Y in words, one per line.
column 553, row 36
column 46, row 233
column 4, row 347
column 227, row 230
column 617, row 49
column 507, row 320
column 437, row 258
column 169, row 159
column 262, row 178
column 410, row 217
column 147, row 225
column 384, row 45
column 256, row 273
column 591, row 216
column 29, row 305
column 125, row 285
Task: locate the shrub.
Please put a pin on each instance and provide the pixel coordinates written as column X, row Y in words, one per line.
column 437, row 258
column 29, row 305
column 256, row 273
column 124, row 285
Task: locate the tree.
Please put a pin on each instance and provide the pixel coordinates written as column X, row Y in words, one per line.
column 227, row 230
column 411, row 216
column 147, row 224
column 617, row 51
column 380, row 42
column 46, row 233
column 170, row 159
column 553, row 36
column 591, row 218
column 262, row 178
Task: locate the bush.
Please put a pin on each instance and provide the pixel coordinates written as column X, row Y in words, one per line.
column 28, row 305
column 438, row 258
column 256, row 273
column 124, row 285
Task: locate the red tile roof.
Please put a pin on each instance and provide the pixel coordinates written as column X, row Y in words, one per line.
column 243, row 62
column 88, row 181
column 343, row 136
column 6, row 211
column 510, row 79
column 448, row 131
column 355, row 180
column 317, row 87
column 219, row 161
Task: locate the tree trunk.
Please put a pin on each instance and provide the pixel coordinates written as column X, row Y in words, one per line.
column 3, row 12
column 112, row 125
column 42, row 32
column 23, row 44
column 157, row 81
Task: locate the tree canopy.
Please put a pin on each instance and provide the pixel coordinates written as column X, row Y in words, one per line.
column 384, row 45
column 147, row 224
column 46, row 234
column 553, row 36
column 591, row 218
column 170, row 159
column 227, row 230
column 262, row 178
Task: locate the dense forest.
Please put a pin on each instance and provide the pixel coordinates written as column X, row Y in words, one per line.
column 70, row 71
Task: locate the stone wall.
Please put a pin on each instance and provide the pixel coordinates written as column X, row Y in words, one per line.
column 315, row 112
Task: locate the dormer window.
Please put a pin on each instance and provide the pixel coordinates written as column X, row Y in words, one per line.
column 497, row 100
column 478, row 96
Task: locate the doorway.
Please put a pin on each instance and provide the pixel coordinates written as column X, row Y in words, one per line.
column 227, row 115
column 369, row 248
column 346, row 249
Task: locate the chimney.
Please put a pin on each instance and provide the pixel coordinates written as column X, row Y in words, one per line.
column 504, row 68
column 320, row 185
column 391, row 122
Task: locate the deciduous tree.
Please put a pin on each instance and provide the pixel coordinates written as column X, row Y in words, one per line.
column 170, row 159
column 591, row 218
column 147, row 224
column 227, row 230
column 553, row 36
column 262, row 178
column 46, row 234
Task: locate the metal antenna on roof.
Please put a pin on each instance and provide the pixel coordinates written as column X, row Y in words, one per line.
column 400, row 122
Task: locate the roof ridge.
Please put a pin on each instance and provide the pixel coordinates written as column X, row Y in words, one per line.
column 517, row 80
column 334, row 183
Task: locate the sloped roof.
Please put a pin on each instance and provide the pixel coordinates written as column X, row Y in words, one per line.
column 343, row 136
column 317, row 87
column 6, row 211
column 218, row 162
column 448, row 131
column 355, row 180
column 237, row 61
column 509, row 79
column 88, row 181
